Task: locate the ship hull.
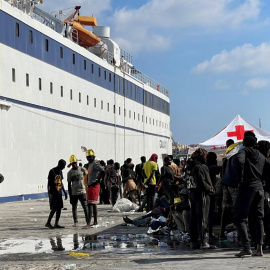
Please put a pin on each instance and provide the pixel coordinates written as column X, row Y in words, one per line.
column 49, row 109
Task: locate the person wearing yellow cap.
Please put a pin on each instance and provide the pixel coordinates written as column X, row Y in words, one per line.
column 95, row 172
column 77, row 191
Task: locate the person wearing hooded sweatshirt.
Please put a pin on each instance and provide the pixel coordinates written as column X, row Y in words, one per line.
column 150, row 168
column 249, row 202
column 200, row 188
column 230, row 175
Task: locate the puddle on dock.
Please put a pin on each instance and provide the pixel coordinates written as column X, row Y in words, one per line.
column 126, row 243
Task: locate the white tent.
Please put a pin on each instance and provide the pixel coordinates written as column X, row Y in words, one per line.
column 235, row 130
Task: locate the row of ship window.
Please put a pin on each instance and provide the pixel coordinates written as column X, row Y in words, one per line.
column 140, row 117
column 122, row 86
column 62, row 53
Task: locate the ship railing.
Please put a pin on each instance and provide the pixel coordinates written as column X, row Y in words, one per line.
column 149, row 81
column 110, row 58
column 126, row 56
column 28, row 6
column 48, row 20
column 43, row 21
column 140, row 76
column 137, row 74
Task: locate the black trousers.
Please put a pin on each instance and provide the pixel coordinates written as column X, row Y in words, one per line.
column 182, row 220
column 74, row 201
column 211, row 214
column 114, row 194
column 150, row 193
column 199, row 209
column 104, row 194
column 249, row 210
column 228, row 201
column 266, row 219
column 169, row 192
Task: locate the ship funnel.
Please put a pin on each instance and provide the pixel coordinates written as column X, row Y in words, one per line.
column 107, row 48
column 102, row 31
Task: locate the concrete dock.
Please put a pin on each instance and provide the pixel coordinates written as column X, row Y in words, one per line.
column 25, row 243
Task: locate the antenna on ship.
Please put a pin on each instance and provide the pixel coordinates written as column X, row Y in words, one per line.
column 260, row 124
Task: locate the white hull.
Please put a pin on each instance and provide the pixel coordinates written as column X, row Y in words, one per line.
column 42, row 127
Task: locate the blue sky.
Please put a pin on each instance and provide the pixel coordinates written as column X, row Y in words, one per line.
column 213, row 56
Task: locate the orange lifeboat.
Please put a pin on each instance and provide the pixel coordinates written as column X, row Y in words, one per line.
column 86, row 20
column 84, row 37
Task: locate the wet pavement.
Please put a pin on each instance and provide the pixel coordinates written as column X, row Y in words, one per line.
column 25, row 243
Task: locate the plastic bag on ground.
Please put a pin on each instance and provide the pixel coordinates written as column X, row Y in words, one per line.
column 232, row 236
column 162, row 219
column 134, row 207
column 150, row 230
column 124, row 205
column 186, row 237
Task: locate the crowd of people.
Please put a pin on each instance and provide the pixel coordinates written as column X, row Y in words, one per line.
column 191, row 195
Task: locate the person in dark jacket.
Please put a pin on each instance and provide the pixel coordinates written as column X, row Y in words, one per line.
column 199, row 199
column 55, row 188
column 139, row 178
column 167, row 179
column 111, row 181
column 229, row 174
column 104, row 194
column 249, row 203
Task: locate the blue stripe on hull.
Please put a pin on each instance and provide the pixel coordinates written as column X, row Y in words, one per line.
column 78, row 116
column 24, row 197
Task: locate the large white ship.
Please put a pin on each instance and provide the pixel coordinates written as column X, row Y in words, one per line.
column 63, row 87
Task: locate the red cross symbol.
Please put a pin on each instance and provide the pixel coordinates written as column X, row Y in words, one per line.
column 238, row 133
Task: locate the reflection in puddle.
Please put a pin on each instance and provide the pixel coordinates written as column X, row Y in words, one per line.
column 57, row 246
column 36, row 245
column 126, row 243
